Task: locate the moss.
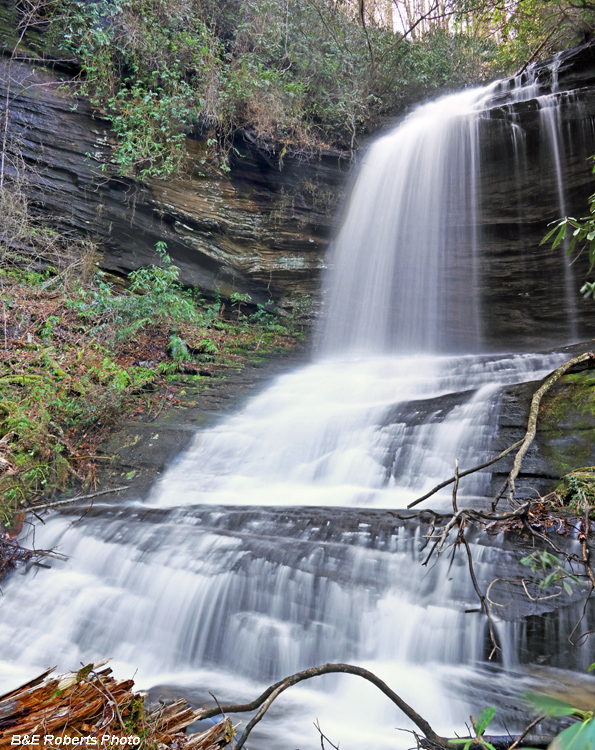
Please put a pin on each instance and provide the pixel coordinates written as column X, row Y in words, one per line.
column 567, row 423
column 570, row 404
column 32, row 44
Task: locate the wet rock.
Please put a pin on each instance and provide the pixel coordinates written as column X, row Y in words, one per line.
column 140, row 450
column 565, row 438
column 264, row 227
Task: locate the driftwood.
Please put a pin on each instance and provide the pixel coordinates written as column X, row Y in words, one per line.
column 92, row 704
column 430, row 739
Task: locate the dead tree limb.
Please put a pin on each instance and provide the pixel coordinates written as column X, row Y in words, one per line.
column 464, row 474
column 264, row 701
column 456, row 487
column 522, row 736
column 523, row 444
column 31, row 508
column 538, row 49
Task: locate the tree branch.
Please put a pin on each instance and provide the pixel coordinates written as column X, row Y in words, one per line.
column 464, row 474
column 264, row 701
column 31, row 508
column 533, row 414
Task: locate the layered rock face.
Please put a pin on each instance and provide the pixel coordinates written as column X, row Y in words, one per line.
column 535, row 169
column 262, row 228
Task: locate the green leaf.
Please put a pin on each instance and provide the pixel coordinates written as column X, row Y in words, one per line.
column 571, row 246
column 560, row 236
column 483, row 720
column 568, row 588
column 547, row 580
column 459, row 741
column 547, row 704
column 579, row 736
column 591, row 255
column 552, row 231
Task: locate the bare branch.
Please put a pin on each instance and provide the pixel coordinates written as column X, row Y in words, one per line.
column 67, row 502
column 464, row 474
column 264, row 701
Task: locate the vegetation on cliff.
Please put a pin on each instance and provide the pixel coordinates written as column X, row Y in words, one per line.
column 295, row 76
column 79, row 349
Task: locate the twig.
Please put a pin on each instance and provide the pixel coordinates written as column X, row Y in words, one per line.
column 499, row 494
column 464, row 474
column 536, row 52
column 478, row 591
column 455, row 520
column 481, row 596
column 323, row 737
column 70, row 500
column 109, row 692
column 489, row 591
column 582, row 637
column 456, row 487
column 585, row 546
column 522, row 736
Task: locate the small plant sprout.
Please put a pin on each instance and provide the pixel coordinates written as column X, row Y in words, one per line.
column 479, row 727
column 238, row 299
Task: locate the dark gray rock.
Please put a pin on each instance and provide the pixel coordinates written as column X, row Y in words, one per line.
column 565, row 438
column 263, row 228
column 528, row 299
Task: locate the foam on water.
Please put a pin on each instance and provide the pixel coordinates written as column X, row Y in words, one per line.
column 196, row 586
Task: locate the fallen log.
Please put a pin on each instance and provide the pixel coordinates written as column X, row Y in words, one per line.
column 94, row 709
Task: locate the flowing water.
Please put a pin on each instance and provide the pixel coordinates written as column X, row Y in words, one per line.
column 248, row 560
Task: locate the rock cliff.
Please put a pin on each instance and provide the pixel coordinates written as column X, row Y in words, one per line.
column 262, row 228
column 530, row 179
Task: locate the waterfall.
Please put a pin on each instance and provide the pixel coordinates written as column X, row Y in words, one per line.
column 550, row 126
column 266, row 547
column 407, row 282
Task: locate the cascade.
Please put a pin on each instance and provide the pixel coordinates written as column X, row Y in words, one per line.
column 266, row 547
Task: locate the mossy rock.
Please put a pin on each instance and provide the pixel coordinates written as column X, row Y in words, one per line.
column 566, row 426
column 33, row 44
column 577, row 490
column 570, row 404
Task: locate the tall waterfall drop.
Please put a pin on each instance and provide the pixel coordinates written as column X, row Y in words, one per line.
column 404, row 275
column 265, row 548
